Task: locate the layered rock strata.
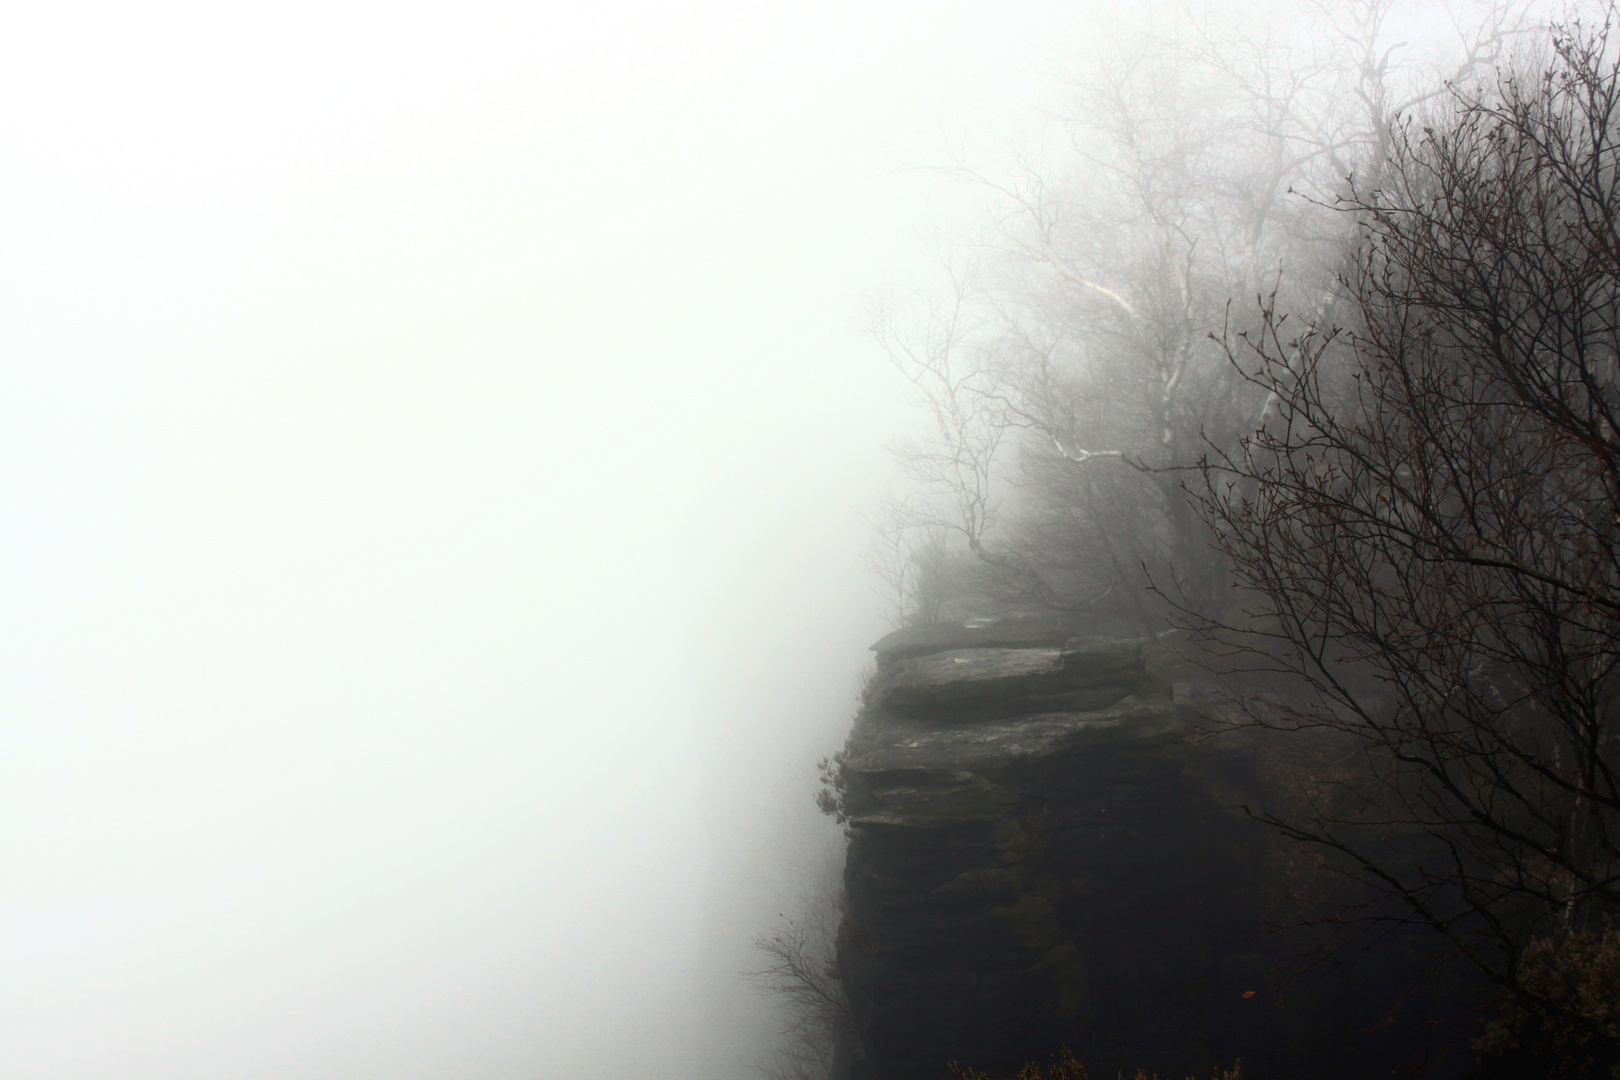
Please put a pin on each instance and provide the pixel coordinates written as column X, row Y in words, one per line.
column 1040, row 857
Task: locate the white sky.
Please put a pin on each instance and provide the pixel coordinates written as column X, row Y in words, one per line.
column 430, row 443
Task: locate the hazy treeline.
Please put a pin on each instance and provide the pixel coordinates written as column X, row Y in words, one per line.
column 1070, row 362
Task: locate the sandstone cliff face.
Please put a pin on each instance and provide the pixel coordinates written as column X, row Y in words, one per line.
column 1038, row 856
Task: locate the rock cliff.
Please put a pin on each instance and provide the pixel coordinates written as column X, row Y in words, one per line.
column 1039, row 856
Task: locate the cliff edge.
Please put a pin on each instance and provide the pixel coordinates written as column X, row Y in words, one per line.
column 1040, row 856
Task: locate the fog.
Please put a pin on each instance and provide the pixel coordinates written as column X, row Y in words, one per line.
column 431, row 454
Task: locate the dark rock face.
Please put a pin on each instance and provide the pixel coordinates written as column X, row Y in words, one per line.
column 1038, row 857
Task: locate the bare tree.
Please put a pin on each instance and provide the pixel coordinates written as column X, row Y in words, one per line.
column 1071, row 375
column 911, row 560
column 800, row 971
column 1427, row 525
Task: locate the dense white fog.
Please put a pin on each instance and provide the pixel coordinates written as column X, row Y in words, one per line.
column 431, row 449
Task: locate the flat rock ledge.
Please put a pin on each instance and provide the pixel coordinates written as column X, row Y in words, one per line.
column 1039, row 856
column 956, row 942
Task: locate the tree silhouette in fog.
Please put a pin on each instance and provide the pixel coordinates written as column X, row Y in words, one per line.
column 1066, row 366
column 1425, row 526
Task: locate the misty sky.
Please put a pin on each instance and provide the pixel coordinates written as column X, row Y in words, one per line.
column 431, row 444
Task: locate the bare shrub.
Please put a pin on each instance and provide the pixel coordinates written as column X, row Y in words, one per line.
column 800, row 971
column 1567, row 1024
